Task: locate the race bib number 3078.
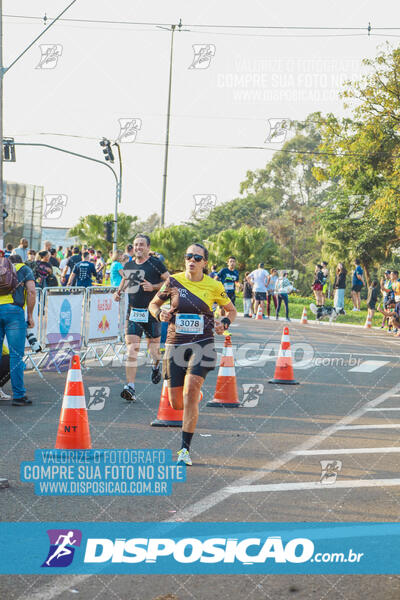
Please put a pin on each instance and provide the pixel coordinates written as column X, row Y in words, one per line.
column 189, row 324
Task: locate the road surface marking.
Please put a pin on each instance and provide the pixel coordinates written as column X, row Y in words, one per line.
column 386, row 450
column 380, row 426
column 313, row 485
column 48, row 592
column 368, row 366
column 382, row 409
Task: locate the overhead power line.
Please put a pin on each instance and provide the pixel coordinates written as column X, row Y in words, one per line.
column 367, row 28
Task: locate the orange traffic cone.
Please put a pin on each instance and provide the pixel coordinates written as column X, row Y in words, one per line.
column 304, row 317
column 368, row 322
column 168, row 416
column 226, row 393
column 284, row 368
column 259, row 313
column 73, row 430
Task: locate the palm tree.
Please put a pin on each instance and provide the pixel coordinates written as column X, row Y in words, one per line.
column 90, row 230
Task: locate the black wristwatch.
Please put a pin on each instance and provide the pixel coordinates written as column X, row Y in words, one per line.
column 226, row 322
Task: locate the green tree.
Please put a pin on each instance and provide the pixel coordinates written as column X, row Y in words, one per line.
column 250, row 245
column 361, row 163
column 148, row 225
column 90, row 230
column 172, row 242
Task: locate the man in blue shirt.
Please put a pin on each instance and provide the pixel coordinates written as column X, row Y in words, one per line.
column 83, row 272
column 357, row 283
column 228, row 277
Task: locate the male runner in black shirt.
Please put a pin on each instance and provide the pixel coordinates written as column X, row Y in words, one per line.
column 143, row 277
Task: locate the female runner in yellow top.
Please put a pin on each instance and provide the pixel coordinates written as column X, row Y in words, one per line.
column 190, row 352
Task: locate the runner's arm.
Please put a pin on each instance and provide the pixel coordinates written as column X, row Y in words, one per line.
column 231, row 313
column 155, row 309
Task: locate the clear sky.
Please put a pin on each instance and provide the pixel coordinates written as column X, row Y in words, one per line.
column 108, row 72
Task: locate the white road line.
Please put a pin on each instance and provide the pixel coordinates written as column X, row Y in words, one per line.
column 378, row 426
column 314, row 485
column 368, row 366
column 383, row 409
column 53, row 590
column 205, row 504
column 387, row 450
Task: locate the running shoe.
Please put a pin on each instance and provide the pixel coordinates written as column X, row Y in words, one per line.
column 184, row 456
column 156, row 374
column 4, row 396
column 128, row 393
column 288, row 320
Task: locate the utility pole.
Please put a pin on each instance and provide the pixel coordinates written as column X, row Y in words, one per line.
column 3, row 71
column 2, row 186
column 164, row 192
column 118, row 197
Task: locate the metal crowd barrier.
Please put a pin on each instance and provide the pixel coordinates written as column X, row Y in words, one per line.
column 68, row 319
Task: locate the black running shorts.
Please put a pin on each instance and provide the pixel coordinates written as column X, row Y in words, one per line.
column 152, row 329
column 197, row 358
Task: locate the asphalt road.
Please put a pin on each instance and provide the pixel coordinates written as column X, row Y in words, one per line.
column 259, row 462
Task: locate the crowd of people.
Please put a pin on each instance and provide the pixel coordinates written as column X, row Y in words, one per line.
column 388, row 287
column 176, row 312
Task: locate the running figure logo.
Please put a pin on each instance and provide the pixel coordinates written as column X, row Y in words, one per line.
column 50, row 53
column 98, row 396
column 62, row 547
column 55, row 204
column 204, row 204
column 203, row 53
column 277, row 130
column 251, row 394
column 128, row 129
column 329, row 471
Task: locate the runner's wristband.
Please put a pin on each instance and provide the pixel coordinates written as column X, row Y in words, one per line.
column 226, row 322
column 157, row 315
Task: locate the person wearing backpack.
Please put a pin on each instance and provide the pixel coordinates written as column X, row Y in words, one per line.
column 17, row 287
column 44, row 271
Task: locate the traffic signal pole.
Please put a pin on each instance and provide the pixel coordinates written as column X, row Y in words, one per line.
column 100, row 162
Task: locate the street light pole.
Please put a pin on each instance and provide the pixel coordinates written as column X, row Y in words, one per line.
column 100, row 162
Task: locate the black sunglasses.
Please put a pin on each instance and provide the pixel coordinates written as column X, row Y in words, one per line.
column 197, row 257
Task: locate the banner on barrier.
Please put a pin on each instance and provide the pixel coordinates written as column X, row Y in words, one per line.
column 103, row 317
column 64, row 316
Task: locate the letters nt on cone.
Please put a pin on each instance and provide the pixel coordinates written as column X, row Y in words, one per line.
column 73, row 429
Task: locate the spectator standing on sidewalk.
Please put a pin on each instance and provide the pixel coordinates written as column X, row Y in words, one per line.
column 247, row 295
column 271, row 283
column 339, row 286
column 22, row 250
column 259, row 277
column 388, row 296
column 13, row 324
column 373, row 295
column 357, row 284
column 325, row 282
column 283, row 288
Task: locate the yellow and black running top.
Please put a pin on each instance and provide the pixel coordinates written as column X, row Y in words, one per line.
column 192, row 302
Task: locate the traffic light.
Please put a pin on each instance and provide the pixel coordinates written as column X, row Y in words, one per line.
column 108, row 231
column 8, row 150
column 108, row 153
